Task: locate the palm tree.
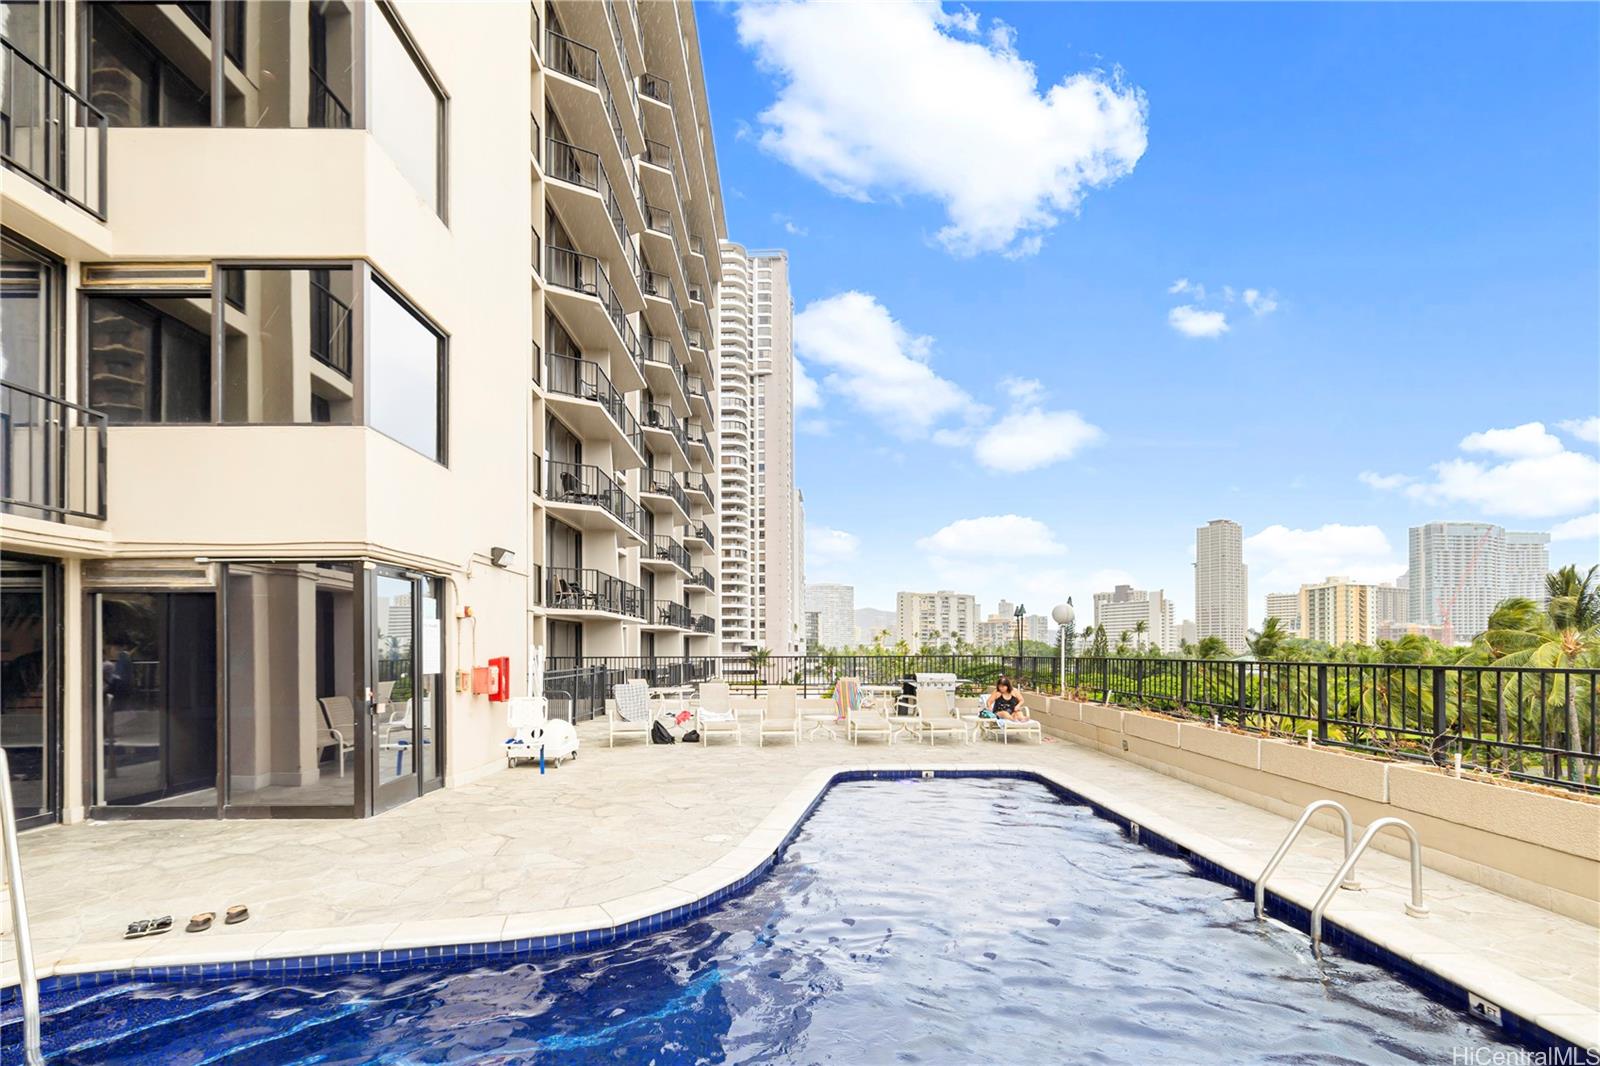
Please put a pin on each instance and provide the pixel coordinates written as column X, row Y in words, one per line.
column 1212, row 647
column 1140, row 628
column 1122, row 643
column 1564, row 636
column 1515, row 615
column 757, row 659
column 1265, row 642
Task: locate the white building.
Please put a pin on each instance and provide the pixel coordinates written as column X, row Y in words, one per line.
column 999, row 630
column 835, row 608
column 762, row 553
column 1221, row 583
column 1461, row 570
column 935, row 618
column 1122, row 609
column 1285, row 607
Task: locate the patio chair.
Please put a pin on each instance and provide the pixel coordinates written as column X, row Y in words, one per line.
column 633, row 715
column 572, row 490
column 860, row 719
column 781, row 718
column 1002, row 729
column 936, row 708
column 338, row 725
column 714, row 712
column 573, row 597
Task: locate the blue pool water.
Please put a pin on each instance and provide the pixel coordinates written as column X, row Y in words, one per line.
column 946, row 921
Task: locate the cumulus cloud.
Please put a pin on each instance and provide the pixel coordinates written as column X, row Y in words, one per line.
column 873, row 362
column 825, row 545
column 805, row 388
column 993, row 535
column 1384, row 482
column 1530, row 474
column 1584, row 527
column 1282, row 559
column 935, row 107
column 1585, row 429
column 1258, row 302
column 1191, row 321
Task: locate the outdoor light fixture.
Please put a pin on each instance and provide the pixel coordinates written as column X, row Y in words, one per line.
column 1064, row 616
column 1019, row 613
column 501, row 557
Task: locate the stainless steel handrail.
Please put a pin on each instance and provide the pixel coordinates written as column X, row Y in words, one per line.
column 27, row 978
column 1416, row 908
column 1288, row 842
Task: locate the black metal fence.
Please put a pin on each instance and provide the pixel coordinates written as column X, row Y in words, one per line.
column 1529, row 723
column 50, row 134
column 52, row 456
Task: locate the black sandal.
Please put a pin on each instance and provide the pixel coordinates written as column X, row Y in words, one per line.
column 201, row 922
column 147, row 927
column 236, row 914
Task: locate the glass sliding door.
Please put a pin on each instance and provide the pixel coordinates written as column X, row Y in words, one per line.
column 29, row 686
column 408, row 673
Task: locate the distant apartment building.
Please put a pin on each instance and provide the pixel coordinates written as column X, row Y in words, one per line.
column 835, row 608
column 1188, row 632
column 303, row 427
column 999, row 630
column 935, row 618
column 1391, row 603
column 762, row 554
column 1285, row 607
column 1221, row 583
column 1124, row 607
column 1396, row 630
column 1338, row 611
column 1459, row 571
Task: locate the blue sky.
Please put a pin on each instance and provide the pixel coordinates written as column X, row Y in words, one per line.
column 1391, row 209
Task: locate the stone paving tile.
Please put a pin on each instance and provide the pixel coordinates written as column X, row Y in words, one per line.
column 513, row 849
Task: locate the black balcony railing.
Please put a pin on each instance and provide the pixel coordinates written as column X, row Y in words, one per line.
column 571, row 164
column 697, row 436
column 575, row 483
column 659, row 350
column 659, row 416
column 695, row 388
column 572, row 58
column 328, row 111
column 569, row 376
column 701, row 531
column 696, row 245
column 52, row 456
column 668, row 549
column 568, row 269
column 657, row 89
column 330, row 325
column 655, row 283
column 704, row 623
column 572, row 589
column 51, row 135
column 664, row 483
column 657, row 154
column 695, row 339
column 701, row 577
column 693, row 482
column 673, row 613
column 696, row 294
column 658, row 219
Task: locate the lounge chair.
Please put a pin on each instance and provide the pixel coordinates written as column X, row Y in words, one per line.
column 936, row 708
column 632, row 715
column 339, row 725
column 860, row 719
column 1003, row 729
column 714, row 712
column 780, row 718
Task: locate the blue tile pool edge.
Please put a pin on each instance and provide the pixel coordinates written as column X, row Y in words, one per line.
column 1444, row 991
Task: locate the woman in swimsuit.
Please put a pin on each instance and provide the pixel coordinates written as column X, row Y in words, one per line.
column 1006, row 702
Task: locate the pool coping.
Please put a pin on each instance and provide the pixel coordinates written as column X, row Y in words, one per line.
column 1529, row 1012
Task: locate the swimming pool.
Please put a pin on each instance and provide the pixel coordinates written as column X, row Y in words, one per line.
column 965, row 920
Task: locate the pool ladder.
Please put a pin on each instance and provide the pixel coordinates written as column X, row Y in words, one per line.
column 1345, row 877
column 27, row 979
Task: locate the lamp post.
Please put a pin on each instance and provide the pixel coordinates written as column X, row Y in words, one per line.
column 1064, row 616
column 1018, row 615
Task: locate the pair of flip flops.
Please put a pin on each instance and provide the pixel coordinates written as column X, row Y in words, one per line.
column 148, row 927
column 233, row 916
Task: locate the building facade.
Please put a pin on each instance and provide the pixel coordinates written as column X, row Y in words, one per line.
column 835, row 608
column 1124, row 608
column 1338, row 611
column 1221, row 583
column 930, row 618
column 302, row 433
column 763, row 555
column 1459, row 571
column 1285, row 607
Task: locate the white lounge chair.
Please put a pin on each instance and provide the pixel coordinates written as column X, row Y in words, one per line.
column 632, row 715
column 780, row 718
column 1003, row 729
column 937, row 710
column 714, row 712
column 338, row 725
column 860, row 719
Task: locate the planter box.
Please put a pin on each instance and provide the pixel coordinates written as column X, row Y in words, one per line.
column 1102, row 717
column 1328, row 769
column 1056, row 707
column 1221, row 745
column 1548, row 821
column 1148, row 727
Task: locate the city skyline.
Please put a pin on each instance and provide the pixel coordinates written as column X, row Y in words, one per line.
column 1119, row 328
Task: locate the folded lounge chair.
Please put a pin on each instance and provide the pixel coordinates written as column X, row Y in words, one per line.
column 714, row 712
column 632, row 715
column 937, row 710
column 781, row 718
column 861, row 720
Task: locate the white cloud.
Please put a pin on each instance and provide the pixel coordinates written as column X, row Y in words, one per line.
column 1179, row 286
column 1193, row 322
column 1585, row 429
column 805, row 388
column 1007, row 535
column 1282, row 559
column 1584, row 527
column 825, row 545
column 1023, row 390
column 1385, row 482
column 931, row 107
column 1027, row 440
column 1520, row 442
column 1259, row 304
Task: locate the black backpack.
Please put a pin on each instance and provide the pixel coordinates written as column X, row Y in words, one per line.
column 660, row 734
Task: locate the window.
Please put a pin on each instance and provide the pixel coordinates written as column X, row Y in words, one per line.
column 405, row 373
column 287, row 351
column 135, row 83
column 300, row 71
column 29, row 304
column 407, row 113
column 149, row 358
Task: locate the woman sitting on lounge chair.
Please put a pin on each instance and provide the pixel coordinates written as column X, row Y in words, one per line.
column 1006, row 702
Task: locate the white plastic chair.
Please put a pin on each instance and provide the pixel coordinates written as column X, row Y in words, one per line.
column 632, row 717
column 714, row 712
column 780, row 718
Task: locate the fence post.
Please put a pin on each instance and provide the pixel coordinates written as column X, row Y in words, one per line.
column 1183, row 683
column 1441, row 720
column 1322, row 702
column 1243, row 706
column 1138, row 681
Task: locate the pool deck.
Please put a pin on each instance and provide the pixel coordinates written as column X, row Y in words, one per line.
column 627, row 832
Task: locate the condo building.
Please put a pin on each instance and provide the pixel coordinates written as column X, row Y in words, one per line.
column 835, row 610
column 763, row 576
column 301, row 435
column 1285, row 607
column 935, row 618
column 1221, row 583
column 1459, row 571
column 1124, row 608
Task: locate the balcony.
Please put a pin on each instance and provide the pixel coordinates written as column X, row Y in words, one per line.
column 656, row 219
column 699, row 531
column 600, row 413
column 593, row 313
column 569, row 589
column 663, row 425
column 656, row 89
column 657, row 154
column 587, row 200
column 665, row 552
column 696, row 388
column 52, row 457
column 663, row 494
column 703, row 623
column 572, row 59
column 699, row 485
column 703, row 578
column 698, row 441
column 665, row 373
column 669, row 614
column 590, row 499
column 51, row 135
